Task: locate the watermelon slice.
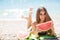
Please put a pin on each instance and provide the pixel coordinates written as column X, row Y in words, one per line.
column 44, row 26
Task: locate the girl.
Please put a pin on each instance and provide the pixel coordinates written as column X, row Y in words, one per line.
column 41, row 17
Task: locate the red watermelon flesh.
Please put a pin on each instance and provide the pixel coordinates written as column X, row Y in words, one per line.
column 44, row 26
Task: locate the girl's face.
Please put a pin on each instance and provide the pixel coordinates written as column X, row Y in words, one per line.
column 42, row 15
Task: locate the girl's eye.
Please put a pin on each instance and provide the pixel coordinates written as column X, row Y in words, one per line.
column 40, row 14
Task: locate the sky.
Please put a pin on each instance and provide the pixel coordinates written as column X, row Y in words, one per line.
column 19, row 4
column 14, row 9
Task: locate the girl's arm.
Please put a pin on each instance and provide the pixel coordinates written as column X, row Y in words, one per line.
column 53, row 32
